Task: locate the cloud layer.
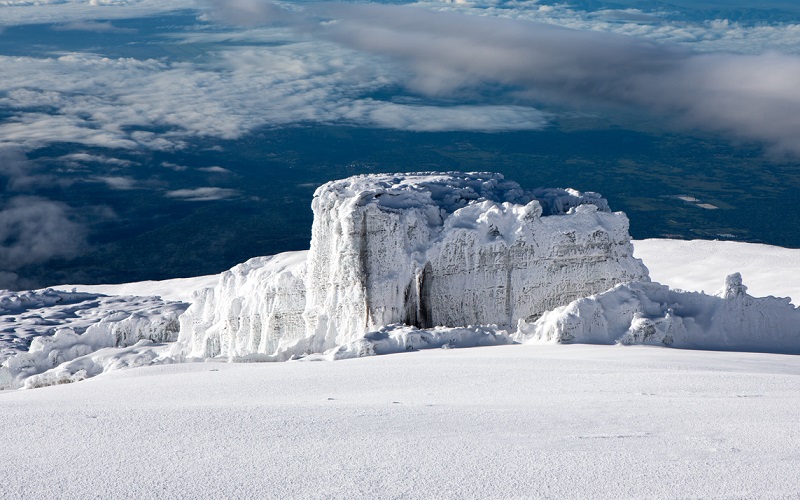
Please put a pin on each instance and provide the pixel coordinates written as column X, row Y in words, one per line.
column 34, row 229
column 437, row 67
column 750, row 97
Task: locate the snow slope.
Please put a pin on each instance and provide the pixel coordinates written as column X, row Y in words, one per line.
column 564, row 421
column 177, row 289
column 701, row 265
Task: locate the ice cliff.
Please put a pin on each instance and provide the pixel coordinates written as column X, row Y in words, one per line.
column 424, row 250
column 651, row 313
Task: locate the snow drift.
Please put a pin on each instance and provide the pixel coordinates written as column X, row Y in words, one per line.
column 423, row 250
column 651, row 313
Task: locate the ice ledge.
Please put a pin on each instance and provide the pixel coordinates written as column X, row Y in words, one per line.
column 449, row 191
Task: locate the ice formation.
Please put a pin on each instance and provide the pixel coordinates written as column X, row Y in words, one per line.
column 45, row 329
column 423, row 250
column 256, row 308
column 651, row 313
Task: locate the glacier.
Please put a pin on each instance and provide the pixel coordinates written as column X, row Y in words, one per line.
column 422, row 249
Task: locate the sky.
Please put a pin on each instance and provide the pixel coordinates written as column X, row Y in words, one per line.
column 106, row 94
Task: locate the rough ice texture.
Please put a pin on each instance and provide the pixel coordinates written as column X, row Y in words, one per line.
column 424, row 250
column 454, row 250
column 44, row 329
column 255, row 308
column 651, row 313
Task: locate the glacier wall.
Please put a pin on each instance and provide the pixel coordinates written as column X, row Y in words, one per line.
column 424, row 250
column 653, row 314
column 256, row 308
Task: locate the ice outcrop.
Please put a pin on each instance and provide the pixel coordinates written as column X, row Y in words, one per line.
column 651, row 313
column 424, row 250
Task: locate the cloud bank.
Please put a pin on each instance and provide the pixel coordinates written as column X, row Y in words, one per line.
column 488, row 67
column 750, row 97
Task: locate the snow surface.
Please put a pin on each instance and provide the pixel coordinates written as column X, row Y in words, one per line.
column 701, row 265
column 563, row 421
column 177, row 289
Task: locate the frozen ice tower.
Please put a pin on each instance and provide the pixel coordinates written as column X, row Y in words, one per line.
column 424, row 249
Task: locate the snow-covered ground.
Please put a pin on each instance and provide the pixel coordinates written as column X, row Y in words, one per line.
column 519, row 421
column 179, row 289
column 701, row 265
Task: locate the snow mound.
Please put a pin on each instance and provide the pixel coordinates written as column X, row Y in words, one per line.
column 653, row 314
column 423, row 250
column 143, row 353
column 44, row 329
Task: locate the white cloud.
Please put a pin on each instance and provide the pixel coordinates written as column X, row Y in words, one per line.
column 98, row 101
column 17, row 12
column 752, row 97
column 215, row 170
column 90, row 158
column 34, row 229
column 330, row 73
column 174, row 166
column 93, row 26
column 664, row 26
column 202, row 194
column 421, row 118
column 117, row 182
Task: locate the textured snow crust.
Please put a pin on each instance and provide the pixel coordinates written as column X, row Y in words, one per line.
column 422, row 250
column 653, row 314
column 44, row 329
column 521, row 421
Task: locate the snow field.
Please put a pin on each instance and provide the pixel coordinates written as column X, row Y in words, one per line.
column 567, row 421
